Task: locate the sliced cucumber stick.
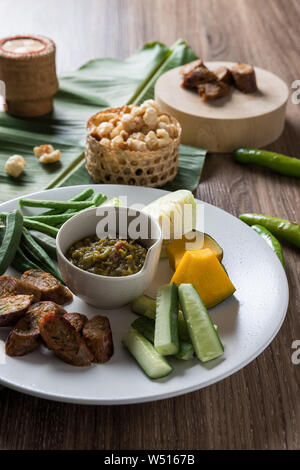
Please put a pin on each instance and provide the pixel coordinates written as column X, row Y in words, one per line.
column 204, row 336
column 153, row 364
column 145, row 326
column 145, row 306
column 183, row 331
column 166, row 323
column 186, row 351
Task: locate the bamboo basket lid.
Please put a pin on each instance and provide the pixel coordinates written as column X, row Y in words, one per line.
column 27, row 67
column 222, row 125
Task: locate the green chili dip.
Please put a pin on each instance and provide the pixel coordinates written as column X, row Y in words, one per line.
column 108, row 257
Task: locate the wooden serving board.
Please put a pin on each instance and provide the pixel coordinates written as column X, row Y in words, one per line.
column 237, row 120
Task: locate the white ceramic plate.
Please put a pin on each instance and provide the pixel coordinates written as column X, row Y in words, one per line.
column 247, row 322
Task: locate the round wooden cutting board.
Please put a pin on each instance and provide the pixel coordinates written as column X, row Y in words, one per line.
column 222, row 125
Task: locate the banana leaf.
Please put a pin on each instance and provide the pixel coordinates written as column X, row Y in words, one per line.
column 99, row 84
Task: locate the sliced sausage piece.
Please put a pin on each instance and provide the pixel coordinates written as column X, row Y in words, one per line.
column 213, row 90
column 244, row 78
column 13, row 308
column 198, row 77
column 98, row 337
column 191, row 66
column 25, row 336
column 224, row 75
column 64, row 296
column 49, row 286
column 11, row 286
column 77, row 320
column 40, row 309
column 67, row 343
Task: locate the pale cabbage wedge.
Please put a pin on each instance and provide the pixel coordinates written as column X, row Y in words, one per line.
column 176, row 214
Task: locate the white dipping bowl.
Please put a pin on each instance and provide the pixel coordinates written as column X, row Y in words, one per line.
column 107, row 292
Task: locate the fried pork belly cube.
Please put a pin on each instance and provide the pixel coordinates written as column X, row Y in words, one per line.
column 46, row 153
column 15, row 165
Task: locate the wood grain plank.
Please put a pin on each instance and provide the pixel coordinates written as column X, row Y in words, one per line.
column 257, row 408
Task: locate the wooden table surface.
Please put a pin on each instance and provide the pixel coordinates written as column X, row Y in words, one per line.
column 258, row 407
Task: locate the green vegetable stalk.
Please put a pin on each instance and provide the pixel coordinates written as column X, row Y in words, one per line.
column 85, row 195
column 281, row 228
column 11, row 239
column 59, row 219
column 63, row 205
column 99, row 199
column 46, row 242
column 38, row 255
column 52, row 220
column 40, row 227
column 21, row 263
column 274, row 161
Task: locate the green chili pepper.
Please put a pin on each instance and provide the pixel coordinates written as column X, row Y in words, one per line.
column 274, row 161
column 281, row 228
column 271, row 241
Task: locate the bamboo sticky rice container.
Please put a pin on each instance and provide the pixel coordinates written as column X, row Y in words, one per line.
column 27, row 67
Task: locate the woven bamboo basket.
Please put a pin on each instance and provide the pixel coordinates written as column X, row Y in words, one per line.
column 30, row 78
column 140, row 168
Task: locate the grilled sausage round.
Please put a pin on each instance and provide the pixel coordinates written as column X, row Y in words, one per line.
column 224, row 75
column 77, row 320
column 49, row 286
column 14, row 307
column 198, row 77
column 191, row 66
column 67, row 343
column 43, row 308
column 213, row 90
column 25, row 336
column 11, row 286
column 98, row 337
column 244, row 78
